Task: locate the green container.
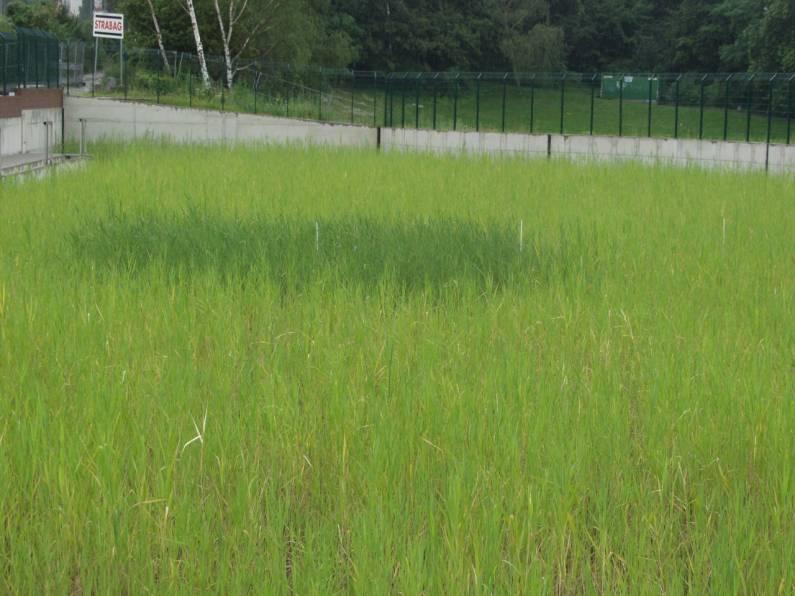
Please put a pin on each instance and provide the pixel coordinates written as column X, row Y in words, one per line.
column 635, row 87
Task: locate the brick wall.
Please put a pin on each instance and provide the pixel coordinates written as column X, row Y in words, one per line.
column 11, row 106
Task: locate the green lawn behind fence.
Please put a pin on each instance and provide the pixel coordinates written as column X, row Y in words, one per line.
column 515, row 109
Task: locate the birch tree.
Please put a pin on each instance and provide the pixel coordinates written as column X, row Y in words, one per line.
column 190, row 8
column 159, row 36
column 235, row 11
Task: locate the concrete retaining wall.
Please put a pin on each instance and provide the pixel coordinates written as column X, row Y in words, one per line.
column 681, row 152
column 110, row 119
column 493, row 143
column 28, row 134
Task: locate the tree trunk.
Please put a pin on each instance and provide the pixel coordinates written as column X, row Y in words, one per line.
column 159, row 36
column 199, row 47
column 226, row 38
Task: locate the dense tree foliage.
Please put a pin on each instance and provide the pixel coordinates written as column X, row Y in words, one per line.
column 578, row 35
column 47, row 16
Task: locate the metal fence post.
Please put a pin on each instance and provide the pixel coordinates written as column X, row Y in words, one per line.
column 254, row 89
column 321, row 80
column 593, row 93
column 320, row 94
column 727, row 84
column 385, row 120
column 435, row 94
column 82, row 136
column 455, row 103
column 46, row 143
column 5, row 67
column 770, row 84
column 562, row 99
column 532, row 102
column 750, row 97
column 701, row 109
column 790, row 107
column 391, row 106
column 68, row 69
column 621, row 106
column 94, row 75
column 47, row 65
column 386, row 97
column 676, row 108
column 375, row 98
column 504, row 92
column 417, row 101
column 651, row 78
column 353, row 91
column 20, row 64
column 403, row 101
column 477, row 102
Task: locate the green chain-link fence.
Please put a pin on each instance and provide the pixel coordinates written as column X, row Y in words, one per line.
column 28, row 58
column 739, row 106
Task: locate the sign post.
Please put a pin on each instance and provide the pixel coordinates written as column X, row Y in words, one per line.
column 109, row 25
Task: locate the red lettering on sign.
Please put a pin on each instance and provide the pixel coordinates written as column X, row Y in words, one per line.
column 103, row 24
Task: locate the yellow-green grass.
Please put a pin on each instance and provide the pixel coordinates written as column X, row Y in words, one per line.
column 301, row 370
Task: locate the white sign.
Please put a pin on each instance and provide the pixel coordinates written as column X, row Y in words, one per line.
column 109, row 24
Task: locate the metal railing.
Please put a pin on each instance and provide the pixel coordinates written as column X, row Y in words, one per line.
column 720, row 106
column 28, row 58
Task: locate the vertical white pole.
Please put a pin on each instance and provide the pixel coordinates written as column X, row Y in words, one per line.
column 94, row 76
column 46, row 143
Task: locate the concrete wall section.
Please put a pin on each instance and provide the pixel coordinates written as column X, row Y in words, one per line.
column 36, row 136
column 28, row 133
column 679, row 152
column 782, row 159
column 10, row 136
column 490, row 143
column 109, row 119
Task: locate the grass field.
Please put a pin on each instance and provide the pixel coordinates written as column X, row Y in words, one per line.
column 307, row 371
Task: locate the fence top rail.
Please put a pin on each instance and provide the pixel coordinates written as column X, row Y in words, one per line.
column 36, row 33
column 590, row 77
